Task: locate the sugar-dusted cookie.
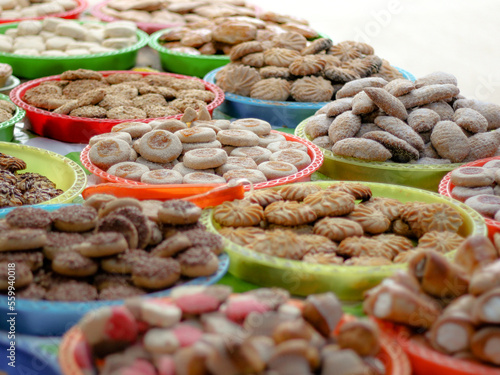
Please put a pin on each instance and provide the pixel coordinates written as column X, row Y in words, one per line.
column 472, row 176
column 160, row 146
column 238, row 213
column 257, row 153
column 238, row 138
column 463, row 193
column 204, row 158
column 277, row 169
column 202, row 178
column 296, row 157
column 487, row 205
column 255, row 176
column 128, row 170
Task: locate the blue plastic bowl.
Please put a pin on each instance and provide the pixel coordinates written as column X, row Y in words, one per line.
column 278, row 114
column 47, row 318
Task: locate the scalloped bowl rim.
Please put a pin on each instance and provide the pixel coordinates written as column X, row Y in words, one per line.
column 142, row 41
column 28, row 304
column 316, row 161
column 18, row 115
column 153, row 43
column 80, row 177
column 444, row 186
column 300, row 132
column 210, row 77
column 296, row 265
column 14, row 81
column 80, row 8
column 14, row 97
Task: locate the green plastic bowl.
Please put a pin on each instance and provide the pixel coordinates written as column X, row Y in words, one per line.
column 65, row 173
column 421, row 176
column 347, row 282
column 183, row 63
column 31, row 67
column 7, row 127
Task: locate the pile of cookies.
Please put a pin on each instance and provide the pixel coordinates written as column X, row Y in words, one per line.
column 107, row 248
column 478, row 188
column 208, row 151
column 61, row 37
column 209, row 331
column 26, row 188
column 7, row 110
column 87, row 93
column 326, row 226
column 425, row 122
column 222, row 35
column 455, row 304
column 288, row 67
column 16, row 9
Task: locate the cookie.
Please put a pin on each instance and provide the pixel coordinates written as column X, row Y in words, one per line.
column 155, row 273
column 276, row 89
column 330, row 203
column 140, row 222
column 472, row 177
column 204, row 158
column 196, row 135
column 259, row 127
column 71, row 291
column 297, row 192
column 289, row 213
column 122, row 263
column 118, row 223
column 361, row 148
column 277, row 169
column 202, row 178
column 117, row 203
column 61, row 241
column 135, row 129
column 242, row 236
column 128, row 170
column 72, row 263
column 442, row 242
column 312, row 89
column 257, row 153
column 265, row 140
column 236, row 162
column 29, row 217
column 372, row 221
column 160, row 146
column 22, row 275
column 171, row 246
column 162, row 176
column 286, row 145
column 193, row 146
column 280, row 243
column 263, row 197
column 75, row 218
column 118, row 135
column 103, row 244
column 179, row 212
column 299, row 159
column 429, row 217
column 357, row 190
column 463, row 193
column 238, row 138
column 199, row 237
column 108, row 152
column 253, row 175
column 487, row 205
column 198, row 262
column 238, row 213
column 33, row 259
column 337, row 229
column 389, row 207
column 22, row 239
column 183, row 170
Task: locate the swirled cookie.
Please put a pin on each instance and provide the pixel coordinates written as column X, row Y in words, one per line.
column 274, row 72
column 238, row 213
column 406, row 256
column 297, row 192
column 307, row 65
column 337, row 229
column 345, row 51
column 330, row 203
column 290, row 40
column 281, row 57
column 396, row 244
column 242, row 236
column 246, row 48
column 239, row 79
column 371, row 220
column 391, row 208
column 357, row 190
column 323, row 258
column 271, row 89
column 431, row 217
column 264, row 197
column 317, row 46
column 363, row 246
column 367, row 261
column 280, row 243
column 318, row 244
column 312, row 89
column 289, row 213
column 442, row 242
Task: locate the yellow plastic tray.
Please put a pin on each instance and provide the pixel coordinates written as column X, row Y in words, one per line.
column 347, row 282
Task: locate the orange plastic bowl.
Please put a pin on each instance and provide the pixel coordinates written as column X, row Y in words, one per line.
column 301, row 176
column 73, row 345
column 446, row 186
column 74, row 129
column 70, row 14
column 427, row 361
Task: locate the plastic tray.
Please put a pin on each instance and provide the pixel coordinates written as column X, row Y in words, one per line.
column 301, row 176
column 427, row 361
column 7, row 127
column 347, row 282
column 446, row 186
column 394, row 359
column 65, row 173
column 280, row 114
column 148, row 27
column 70, row 14
column 79, row 129
column 31, row 67
column 425, row 177
column 45, row 318
column 183, row 63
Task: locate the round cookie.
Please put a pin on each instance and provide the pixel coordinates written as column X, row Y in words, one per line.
column 196, row 135
column 75, row 218
column 114, row 135
column 162, row 176
column 154, row 166
column 204, row 158
column 257, row 126
column 98, row 200
column 179, row 212
column 135, row 129
column 203, row 178
column 183, row 170
column 298, row 158
column 61, row 241
column 171, row 246
column 122, row 263
column 289, row 213
column 29, row 217
column 33, row 259
column 118, row 223
column 140, row 222
column 463, row 193
column 71, row 291
column 257, row 153
column 155, row 273
column 238, row 138
column 108, row 152
column 197, row 262
column 487, row 205
column 160, row 146
column 72, row 263
column 265, row 140
column 238, row 213
column 103, row 244
column 287, row 145
column 201, row 238
column 277, row 169
column 117, row 203
column 22, row 239
column 128, row 170
column 193, row 146
column 492, row 164
column 236, row 162
column 253, row 175
column 22, row 275
column 472, row 176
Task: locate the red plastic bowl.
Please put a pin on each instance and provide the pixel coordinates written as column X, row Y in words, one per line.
column 427, row 361
column 70, row 14
column 446, row 186
column 74, row 129
column 148, row 27
column 304, row 175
